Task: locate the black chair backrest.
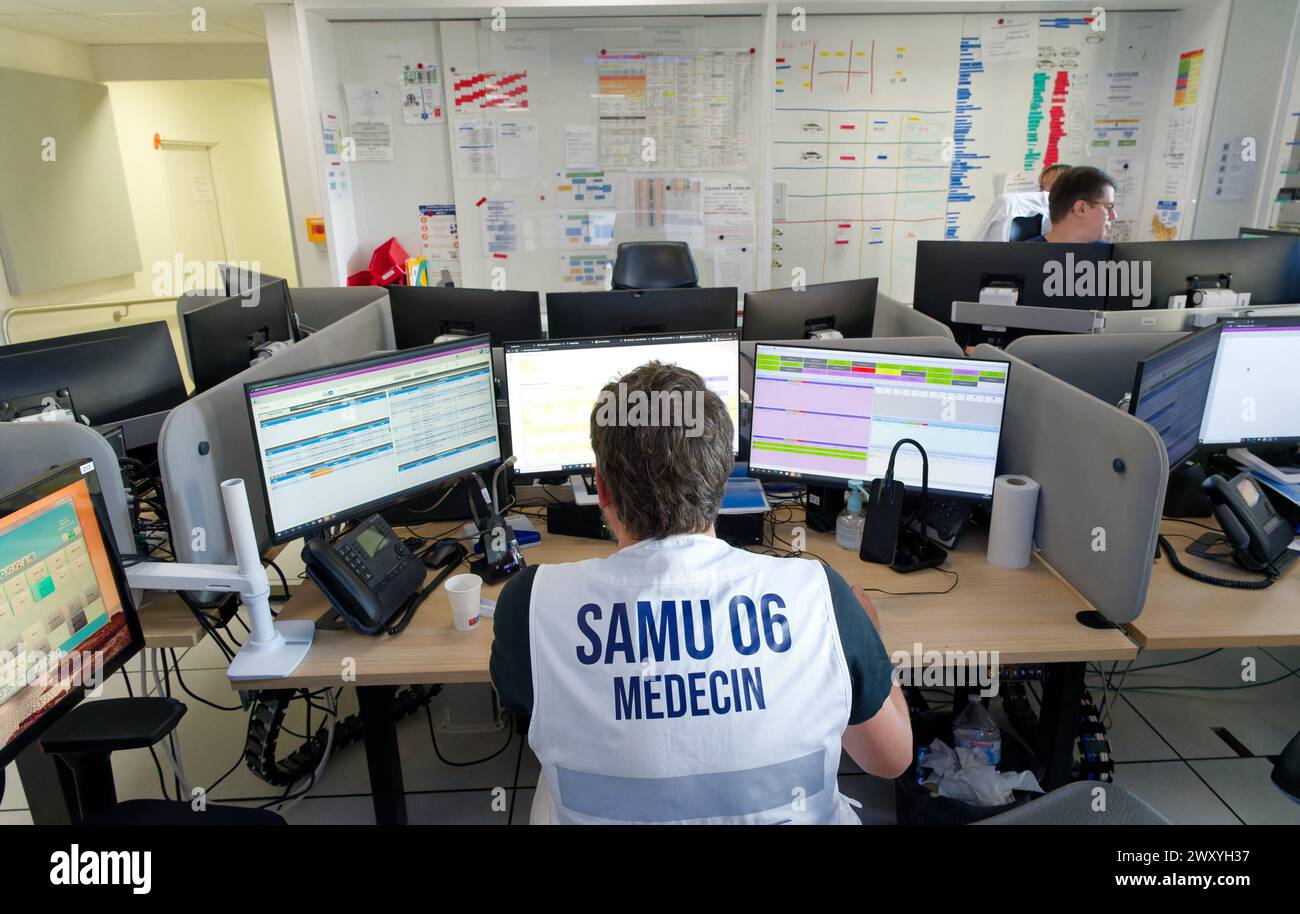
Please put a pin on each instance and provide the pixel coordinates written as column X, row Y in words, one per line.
column 654, row 265
column 1025, row 227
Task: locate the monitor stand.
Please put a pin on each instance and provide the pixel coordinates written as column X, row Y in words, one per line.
column 1184, row 496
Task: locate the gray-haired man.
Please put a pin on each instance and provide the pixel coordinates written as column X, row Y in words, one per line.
column 680, row 679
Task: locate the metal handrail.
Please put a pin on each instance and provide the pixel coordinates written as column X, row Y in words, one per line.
column 124, row 303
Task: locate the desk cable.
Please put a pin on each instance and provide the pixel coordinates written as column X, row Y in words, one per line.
column 1270, row 575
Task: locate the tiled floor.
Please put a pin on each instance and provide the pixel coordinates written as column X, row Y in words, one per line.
column 1164, row 742
column 1166, row 747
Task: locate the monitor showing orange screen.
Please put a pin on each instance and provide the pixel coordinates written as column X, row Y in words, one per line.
column 65, row 620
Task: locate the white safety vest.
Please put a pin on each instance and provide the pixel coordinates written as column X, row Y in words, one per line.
column 681, row 680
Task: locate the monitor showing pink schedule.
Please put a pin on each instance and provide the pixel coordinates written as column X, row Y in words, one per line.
column 833, row 415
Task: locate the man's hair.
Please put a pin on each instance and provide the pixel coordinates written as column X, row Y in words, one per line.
column 667, row 478
column 1082, row 183
column 1052, row 171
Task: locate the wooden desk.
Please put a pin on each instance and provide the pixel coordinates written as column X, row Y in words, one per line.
column 1027, row 616
column 1181, row 613
column 167, row 622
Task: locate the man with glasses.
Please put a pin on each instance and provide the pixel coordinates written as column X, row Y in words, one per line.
column 1082, row 207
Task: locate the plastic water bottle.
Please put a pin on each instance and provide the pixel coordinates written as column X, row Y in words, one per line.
column 852, row 520
column 975, row 730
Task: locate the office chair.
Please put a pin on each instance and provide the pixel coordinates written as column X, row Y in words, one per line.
column 1286, row 770
column 654, row 265
column 1025, row 227
column 86, row 737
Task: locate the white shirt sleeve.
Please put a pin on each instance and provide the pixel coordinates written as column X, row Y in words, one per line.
column 996, row 225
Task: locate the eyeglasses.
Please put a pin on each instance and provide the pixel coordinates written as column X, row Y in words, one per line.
column 1109, row 207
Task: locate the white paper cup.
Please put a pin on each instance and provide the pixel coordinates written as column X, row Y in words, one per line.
column 463, row 591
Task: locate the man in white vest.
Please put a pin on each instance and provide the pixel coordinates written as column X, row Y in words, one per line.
column 680, row 679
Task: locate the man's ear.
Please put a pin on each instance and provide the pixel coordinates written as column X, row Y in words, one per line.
column 602, row 493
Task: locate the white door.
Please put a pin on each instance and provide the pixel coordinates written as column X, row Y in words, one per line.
column 192, row 200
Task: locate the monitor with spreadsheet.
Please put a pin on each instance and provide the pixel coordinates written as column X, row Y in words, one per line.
column 342, row 442
column 553, row 384
column 1252, row 393
column 832, row 415
column 1170, row 389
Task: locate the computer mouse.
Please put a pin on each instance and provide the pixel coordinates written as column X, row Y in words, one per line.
column 443, row 553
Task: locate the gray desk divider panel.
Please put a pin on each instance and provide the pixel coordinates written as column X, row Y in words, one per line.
column 216, row 422
column 318, row 307
column 894, row 319
column 916, row 345
column 1100, row 364
column 32, row 448
column 1069, row 442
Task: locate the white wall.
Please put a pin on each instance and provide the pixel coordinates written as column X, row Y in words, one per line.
column 298, row 125
column 235, row 115
column 1259, row 58
column 37, row 54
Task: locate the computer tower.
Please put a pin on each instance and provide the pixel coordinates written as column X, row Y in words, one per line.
column 822, row 505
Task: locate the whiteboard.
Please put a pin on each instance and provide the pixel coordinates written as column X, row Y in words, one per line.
column 895, row 129
column 563, row 238
column 863, row 135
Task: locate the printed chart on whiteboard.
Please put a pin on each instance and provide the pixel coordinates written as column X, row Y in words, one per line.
column 674, row 109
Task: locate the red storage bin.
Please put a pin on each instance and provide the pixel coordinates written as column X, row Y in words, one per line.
column 388, row 264
column 361, row 278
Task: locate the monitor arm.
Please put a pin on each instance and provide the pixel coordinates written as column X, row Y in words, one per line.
column 275, row 648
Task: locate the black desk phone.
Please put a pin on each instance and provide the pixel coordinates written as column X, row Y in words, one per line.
column 1257, row 534
column 368, row 574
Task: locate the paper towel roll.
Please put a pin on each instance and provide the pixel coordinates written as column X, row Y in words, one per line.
column 1011, row 529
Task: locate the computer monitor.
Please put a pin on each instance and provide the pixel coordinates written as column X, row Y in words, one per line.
column 66, row 618
column 1267, row 268
column 827, row 416
column 786, row 314
column 625, row 312
column 1253, row 398
column 223, row 338
column 342, row 442
column 1170, row 389
column 421, row 314
column 949, row 271
column 1247, row 232
column 552, row 386
column 127, row 375
column 237, row 280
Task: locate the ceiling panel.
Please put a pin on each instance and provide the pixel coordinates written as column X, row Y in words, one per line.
column 59, row 25
column 95, row 7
